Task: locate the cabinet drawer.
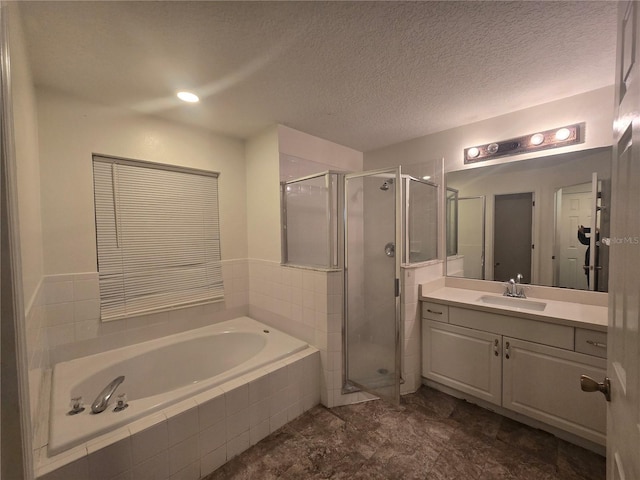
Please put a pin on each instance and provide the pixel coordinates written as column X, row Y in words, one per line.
column 591, row 342
column 435, row 311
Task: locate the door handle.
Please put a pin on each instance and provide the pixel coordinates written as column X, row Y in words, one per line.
column 588, row 384
column 390, row 249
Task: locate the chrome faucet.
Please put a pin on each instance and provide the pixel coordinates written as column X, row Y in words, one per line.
column 512, row 287
column 102, row 400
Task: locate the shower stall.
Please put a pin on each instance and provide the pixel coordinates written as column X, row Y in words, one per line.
column 371, row 224
column 390, row 222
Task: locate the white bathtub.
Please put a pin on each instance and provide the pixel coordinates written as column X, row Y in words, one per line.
column 158, row 374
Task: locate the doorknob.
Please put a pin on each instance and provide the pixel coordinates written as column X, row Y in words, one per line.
column 390, row 249
column 588, row 384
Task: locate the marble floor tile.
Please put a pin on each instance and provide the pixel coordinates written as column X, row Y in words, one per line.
column 430, row 436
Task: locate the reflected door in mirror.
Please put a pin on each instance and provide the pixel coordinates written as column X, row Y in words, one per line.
column 513, row 228
column 574, row 211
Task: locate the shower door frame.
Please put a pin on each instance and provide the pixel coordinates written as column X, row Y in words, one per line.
column 335, row 228
column 406, row 213
column 350, row 386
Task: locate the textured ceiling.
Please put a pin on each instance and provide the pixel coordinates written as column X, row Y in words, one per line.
column 362, row 74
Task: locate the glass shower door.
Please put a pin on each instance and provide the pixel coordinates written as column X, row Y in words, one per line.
column 372, row 292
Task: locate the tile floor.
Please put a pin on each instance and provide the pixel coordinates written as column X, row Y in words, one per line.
column 430, row 436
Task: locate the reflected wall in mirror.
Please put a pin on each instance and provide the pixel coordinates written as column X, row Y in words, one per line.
column 486, row 223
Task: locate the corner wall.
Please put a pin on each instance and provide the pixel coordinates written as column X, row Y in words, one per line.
column 263, row 196
column 25, row 129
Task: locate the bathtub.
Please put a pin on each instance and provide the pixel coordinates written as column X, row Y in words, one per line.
column 158, row 374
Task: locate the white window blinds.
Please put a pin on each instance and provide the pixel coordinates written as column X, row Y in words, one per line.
column 158, row 237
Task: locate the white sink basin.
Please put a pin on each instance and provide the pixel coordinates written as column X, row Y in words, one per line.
column 513, row 302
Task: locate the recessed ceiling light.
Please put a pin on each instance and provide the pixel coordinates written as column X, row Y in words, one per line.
column 473, row 152
column 188, row 97
column 563, row 134
column 426, row 177
column 537, row 139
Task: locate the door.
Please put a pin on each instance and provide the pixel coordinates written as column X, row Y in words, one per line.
column 471, row 221
column 372, row 288
column 623, row 426
column 574, row 211
column 512, row 237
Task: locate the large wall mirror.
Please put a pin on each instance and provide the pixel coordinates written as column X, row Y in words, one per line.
column 543, row 218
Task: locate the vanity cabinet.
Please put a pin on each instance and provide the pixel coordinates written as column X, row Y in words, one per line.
column 543, row 382
column 461, row 358
column 526, row 366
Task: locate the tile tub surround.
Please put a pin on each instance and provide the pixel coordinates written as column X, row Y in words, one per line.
column 71, row 305
column 194, row 437
column 431, row 436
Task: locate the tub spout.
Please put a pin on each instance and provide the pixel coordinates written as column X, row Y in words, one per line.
column 102, row 400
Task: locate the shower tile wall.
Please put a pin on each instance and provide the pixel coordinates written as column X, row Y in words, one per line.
column 411, row 280
column 307, row 304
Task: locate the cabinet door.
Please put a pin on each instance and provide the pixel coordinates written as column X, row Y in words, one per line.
column 544, row 383
column 462, row 358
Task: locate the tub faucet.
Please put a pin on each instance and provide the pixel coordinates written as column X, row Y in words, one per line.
column 102, row 400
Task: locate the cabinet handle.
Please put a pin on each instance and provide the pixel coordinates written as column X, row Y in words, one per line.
column 433, row 311
column 495, row 347
column 507, row 353
column 597, row 344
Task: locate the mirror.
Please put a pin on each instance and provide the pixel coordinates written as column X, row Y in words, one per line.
column 525, row 217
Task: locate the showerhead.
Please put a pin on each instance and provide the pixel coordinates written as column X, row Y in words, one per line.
column 386, row 184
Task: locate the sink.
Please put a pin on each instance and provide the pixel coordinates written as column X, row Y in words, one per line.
column 513, row 302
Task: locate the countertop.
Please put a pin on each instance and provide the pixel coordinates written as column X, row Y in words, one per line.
column 592, row 317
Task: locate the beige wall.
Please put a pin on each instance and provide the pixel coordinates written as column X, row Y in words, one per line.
column 72, row 130
column 25, row 126
column 263, row 154
column 263, row 196
column 302, row 145
column 595, row 108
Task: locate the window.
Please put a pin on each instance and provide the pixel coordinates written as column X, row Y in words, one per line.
column 158, row 237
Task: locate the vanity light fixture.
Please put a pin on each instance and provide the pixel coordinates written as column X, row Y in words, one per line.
column 554, row 138
column 188, row 97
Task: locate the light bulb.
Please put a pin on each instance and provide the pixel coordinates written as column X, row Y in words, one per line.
column 537, row 139
column 188, row 97
column 492, row 148
column 473, row 152
column 563, row 134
